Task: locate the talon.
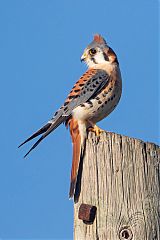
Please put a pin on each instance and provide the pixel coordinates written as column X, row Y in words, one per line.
column 96, row 130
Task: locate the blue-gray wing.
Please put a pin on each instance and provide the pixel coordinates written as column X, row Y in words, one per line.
column 86, row 88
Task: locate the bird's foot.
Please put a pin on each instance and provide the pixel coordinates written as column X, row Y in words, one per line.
column 96, row 130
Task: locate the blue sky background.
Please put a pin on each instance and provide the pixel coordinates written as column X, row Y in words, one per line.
column 41, row 42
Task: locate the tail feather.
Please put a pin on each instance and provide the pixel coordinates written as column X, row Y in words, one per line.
column 37, row 133
column 77, row 153
column 75, row 165
column 47, row 129
column 35, row 145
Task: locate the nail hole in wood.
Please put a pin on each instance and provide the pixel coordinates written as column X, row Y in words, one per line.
column 125, row 233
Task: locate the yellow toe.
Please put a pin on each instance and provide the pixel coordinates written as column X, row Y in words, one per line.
column 96, row 130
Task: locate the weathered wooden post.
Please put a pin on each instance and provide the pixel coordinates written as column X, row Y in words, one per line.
column 121, row 184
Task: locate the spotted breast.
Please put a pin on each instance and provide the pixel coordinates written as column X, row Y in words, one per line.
column 103, row 103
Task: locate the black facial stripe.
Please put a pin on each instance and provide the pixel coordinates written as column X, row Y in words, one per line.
column 93, row 60
column 105, row 57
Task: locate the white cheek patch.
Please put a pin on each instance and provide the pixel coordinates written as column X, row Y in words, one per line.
column 99, row 58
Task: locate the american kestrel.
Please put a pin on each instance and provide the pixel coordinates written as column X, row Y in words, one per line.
column 93, row 97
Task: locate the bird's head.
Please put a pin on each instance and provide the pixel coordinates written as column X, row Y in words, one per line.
column 98, row 52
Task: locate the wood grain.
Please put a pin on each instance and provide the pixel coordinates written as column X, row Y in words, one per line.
column 121, row 177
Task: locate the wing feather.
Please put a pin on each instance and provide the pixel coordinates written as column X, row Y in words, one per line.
column 88, row 86
column 85, row 90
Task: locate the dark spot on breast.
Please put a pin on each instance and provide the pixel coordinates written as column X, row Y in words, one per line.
column 94, row 85
column 97, row 82
column 97, row 98
column 82, row 105
column 110, row 89
column 101, row 107
column 109, row 99
column 106, row 102
column 90, row 103
column 99, row 102
column 104, row 94
column 84, row 92
column 113, row 97
column 91, row 89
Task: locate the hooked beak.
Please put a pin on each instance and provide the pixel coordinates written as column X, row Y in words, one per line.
column 83, row 57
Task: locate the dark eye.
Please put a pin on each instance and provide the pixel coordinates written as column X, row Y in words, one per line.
column 92, row 51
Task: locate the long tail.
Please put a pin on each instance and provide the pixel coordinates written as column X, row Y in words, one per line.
column 45, row 130
column 78, row 147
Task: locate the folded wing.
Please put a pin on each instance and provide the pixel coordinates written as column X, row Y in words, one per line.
column 88, row 86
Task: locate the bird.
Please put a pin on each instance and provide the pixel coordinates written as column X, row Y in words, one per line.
column 93, row 97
